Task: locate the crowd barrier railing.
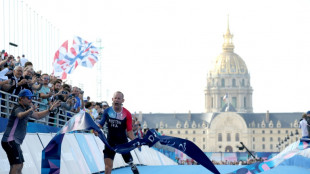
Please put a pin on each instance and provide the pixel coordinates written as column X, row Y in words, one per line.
column 8, row 101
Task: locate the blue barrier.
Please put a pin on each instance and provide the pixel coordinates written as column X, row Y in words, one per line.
column 3, row 123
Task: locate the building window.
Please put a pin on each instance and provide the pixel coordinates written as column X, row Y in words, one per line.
column 270, row 131
column 244, row 102
column 234, row 82
column 286, row 131
column 237, row 137
column 279, row 139
column 271, row 146
column 253, row 131
column 253, row 139
column 253, row 146
column 228, row 137
column 263, row 139
column 211, row 102
column 203, row 140
column 279, row 132
column 178, row 132
column 263, row 146
column 204, row 146
column 171, row 132
column 242, row 83
column 223, row 103
column 186, row 132
column 271, row 139
column 263, row 132
column 194, row 139
column 203, row 132
column 162, row 132
column 223, row 83
column 194, row 132
column 234, row 101
column 219, row 137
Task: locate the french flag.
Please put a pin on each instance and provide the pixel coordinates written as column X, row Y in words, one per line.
column 225, row 97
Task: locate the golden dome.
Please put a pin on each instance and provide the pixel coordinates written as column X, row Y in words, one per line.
column 229, row 62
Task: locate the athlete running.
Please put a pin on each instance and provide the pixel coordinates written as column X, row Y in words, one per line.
column 119, row 124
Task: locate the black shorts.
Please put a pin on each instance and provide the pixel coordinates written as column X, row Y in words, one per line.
column 14, row 152
column 108, row 153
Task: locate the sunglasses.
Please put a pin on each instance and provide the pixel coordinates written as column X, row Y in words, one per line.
column 46, row 78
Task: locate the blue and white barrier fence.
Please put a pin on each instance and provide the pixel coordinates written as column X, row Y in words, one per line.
column 81, row 153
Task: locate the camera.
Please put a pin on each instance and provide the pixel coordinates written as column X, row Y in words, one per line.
column 37, row 75
column 28, row 77
column 64, row 92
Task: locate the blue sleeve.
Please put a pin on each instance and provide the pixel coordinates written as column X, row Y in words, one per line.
column 104, row 116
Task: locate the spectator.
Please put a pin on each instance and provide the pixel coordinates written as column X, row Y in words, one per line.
column 308, row 122
column 88, row 109
column 16, row 129
column 303, row 126
column 44, row 93
column 105, row 105
column 28, row 64
column 99, row 109
column 16, row 81
column 31, row 80
column 23, row 60
column 78, row 104
column 4, row 79
column 17, row 62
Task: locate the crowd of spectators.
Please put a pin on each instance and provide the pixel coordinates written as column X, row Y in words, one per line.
column 18, row 73
column 190, row 161
column 246, row 162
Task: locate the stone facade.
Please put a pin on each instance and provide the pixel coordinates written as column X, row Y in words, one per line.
column 228, row 122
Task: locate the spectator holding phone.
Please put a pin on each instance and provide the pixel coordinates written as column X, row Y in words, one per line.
column 31, row 80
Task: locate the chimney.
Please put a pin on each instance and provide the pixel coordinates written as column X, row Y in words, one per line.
column 189, row 115
column 140, row 117
column 267, row 117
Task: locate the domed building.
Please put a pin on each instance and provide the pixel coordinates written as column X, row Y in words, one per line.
column 228, row 83
column 229, row 117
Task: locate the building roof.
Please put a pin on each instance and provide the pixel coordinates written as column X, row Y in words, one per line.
column 252, row 120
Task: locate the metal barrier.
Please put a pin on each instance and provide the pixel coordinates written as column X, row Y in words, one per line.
column 7, row 102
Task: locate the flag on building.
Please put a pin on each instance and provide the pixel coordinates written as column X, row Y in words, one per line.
column 225, row 97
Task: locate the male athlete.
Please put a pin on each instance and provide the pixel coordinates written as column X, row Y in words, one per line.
column 119, row 123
